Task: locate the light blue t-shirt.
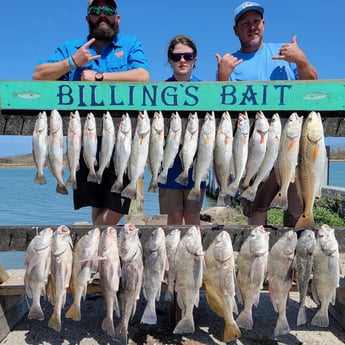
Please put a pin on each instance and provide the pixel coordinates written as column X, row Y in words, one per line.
column 260, row 65
column 123, row 54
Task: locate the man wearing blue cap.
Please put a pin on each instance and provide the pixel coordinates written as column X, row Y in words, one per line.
column 256, row 60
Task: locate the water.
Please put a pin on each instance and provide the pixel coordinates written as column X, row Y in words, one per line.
column 26, row 203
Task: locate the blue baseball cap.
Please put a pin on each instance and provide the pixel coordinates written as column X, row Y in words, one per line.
column 245, row 7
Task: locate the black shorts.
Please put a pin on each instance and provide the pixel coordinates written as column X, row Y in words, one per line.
column 99, row 195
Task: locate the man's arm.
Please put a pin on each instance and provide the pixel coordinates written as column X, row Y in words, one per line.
column 293, row 53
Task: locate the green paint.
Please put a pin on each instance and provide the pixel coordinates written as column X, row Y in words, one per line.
column 203, row 96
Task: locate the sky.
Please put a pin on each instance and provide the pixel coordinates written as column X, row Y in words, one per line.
column 31, row 30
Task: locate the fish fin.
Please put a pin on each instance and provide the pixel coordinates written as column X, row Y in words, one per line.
column 305, row 222
column 194, row 194
column 121, row 334
column 117, row 187
column 320, row 319
column 282, row 327
column 245, row 320
column 129, row 192
column 182, row 178
column 153, row 187
column 185, row 325
column 71, row 183
column 73, row 313
column 61, row 189
column 162, row 178
column 108, row 326
column 149, row 316
column 40, row 179
column 280, row 201
column 55, row 323
column 36, row 313
column 92, row 178
column 249, row 193
column 302, row 316
column 231, row 332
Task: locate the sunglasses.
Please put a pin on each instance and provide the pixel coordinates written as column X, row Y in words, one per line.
column 107, row 10
column 177, row 56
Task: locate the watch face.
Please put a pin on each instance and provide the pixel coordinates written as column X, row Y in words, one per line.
column 99, row 76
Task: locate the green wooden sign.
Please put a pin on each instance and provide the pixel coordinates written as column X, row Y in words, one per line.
column 191, row 96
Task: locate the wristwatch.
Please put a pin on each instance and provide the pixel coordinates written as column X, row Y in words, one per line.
column 99, row 76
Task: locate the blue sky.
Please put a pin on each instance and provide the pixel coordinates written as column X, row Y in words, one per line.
column 31, row 30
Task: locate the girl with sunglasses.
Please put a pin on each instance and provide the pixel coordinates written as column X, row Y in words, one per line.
column 182, row 55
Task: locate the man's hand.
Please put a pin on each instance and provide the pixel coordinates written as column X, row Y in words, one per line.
column 291, row 52
column 83, row 55
column 226, row 65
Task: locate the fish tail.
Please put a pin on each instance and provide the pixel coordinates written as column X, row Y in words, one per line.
column 149, row 316
column 245, row 320
column 153, row 187
column 121, row 334
column 231, row 332
column 129, row 192
column 162, row 178
column 40, row 179
column 301, row 317
column 194, row 194
column 92, row 177
column 182, row 178
column 305, row 222
column 320, row 319
column 99, row 176
column 117, row 187
column 185, row 325
column 61, row 188
column 232, row 189
column 280, row 201
column 249, row 193
column 108, row 326
column 282, row 327
column 36, row 312
column 73, row 312
column 71, row 183
column 55, row 322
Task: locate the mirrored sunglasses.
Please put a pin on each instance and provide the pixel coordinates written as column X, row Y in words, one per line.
column 177, row 56
column 107, row 10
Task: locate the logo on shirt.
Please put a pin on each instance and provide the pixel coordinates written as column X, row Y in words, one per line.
column 119, row 54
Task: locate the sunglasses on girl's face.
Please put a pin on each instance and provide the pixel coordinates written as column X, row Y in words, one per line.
column 107, row 10
column 177, row 56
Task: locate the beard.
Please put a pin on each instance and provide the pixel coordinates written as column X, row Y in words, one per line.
column 103, row 33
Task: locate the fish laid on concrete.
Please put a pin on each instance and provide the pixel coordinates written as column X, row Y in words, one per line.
column 122, row 151
column 109, row 273
column 107, row 148
column 37, row 269
column 189, row 263
column 256, row 148
column 223, row 155
column 155, row 265
column 139, row 155
column 189, row 147
column 312, row 162
column 74, row 140
column 90, row 146
column 40, row 146
column 239, row 152
column 204, row 155
column 252, row 271
column 303, row 263
column 220, row 283
column 286, row 163
column 85, row 264
column 132, row 268
column 55, row 150
column 172, row 239
column 172, row 145
column 326, row 268
column 280, row 271
column 271, row 154
column 156, row 149
column 61, row 271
